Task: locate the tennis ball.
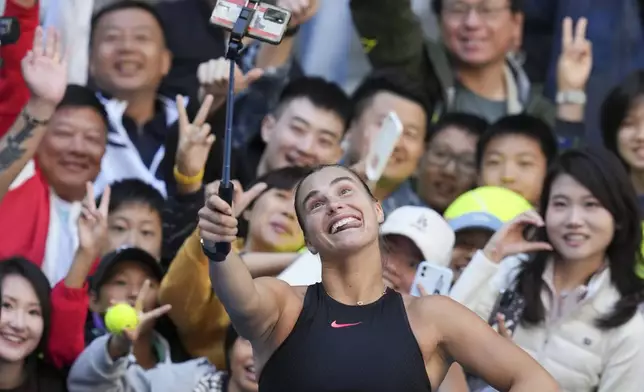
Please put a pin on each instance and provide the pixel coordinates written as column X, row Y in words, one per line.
column 121, row 317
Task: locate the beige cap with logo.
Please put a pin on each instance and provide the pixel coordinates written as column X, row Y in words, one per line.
column 426, row 228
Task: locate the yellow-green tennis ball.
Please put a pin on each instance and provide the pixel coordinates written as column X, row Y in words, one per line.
column 121, row 317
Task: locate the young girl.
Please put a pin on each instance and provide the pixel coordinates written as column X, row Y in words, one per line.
column 581, row 293
column 24, row 329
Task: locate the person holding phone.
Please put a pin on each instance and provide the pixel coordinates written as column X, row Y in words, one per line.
column 349, row 332
column 574, row 302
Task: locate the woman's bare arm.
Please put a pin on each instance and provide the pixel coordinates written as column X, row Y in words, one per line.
column 254, row 305
column 477, row 347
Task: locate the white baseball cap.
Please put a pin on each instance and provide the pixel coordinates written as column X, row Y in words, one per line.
column 426, row 228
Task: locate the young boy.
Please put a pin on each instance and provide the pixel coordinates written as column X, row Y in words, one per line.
column 139, row 361
column 119, row 278
column 514, row 153
column 135, row 217
column 475, row 216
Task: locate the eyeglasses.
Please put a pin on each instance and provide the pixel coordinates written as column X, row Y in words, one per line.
column 442, row 156
column 460, row 11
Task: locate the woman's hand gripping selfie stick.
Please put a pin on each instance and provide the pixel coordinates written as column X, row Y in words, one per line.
column 226, row 188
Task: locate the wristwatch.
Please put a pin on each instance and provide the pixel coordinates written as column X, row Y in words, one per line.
column 576, row 97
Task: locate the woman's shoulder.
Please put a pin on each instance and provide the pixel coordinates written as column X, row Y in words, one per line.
column 628, row 336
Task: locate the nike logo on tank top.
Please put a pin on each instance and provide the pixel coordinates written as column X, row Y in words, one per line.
column 340, row 348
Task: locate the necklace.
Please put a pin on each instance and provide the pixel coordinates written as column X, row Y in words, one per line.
column 361, row 303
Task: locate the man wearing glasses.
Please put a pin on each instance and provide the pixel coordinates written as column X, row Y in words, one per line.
column 473, row 70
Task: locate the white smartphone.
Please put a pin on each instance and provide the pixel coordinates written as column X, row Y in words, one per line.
column 269, row 22
column 383, row 146
column 435, row 279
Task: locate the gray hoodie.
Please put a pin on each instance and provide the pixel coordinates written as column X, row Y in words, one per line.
column 95, row 371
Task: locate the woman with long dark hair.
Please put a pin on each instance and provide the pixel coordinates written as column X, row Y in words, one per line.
column 579, row 286
column 622, row 123
column 24, row 329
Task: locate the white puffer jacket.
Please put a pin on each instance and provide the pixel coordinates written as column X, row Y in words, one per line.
column 581, row 357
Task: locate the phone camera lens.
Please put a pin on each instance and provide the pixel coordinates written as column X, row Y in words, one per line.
column 275, row 16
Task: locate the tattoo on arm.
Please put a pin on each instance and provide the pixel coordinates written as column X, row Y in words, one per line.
column 14, row 149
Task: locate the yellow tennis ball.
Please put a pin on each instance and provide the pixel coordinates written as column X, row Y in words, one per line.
column 121, row 317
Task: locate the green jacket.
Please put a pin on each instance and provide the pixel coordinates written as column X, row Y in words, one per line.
column 392, row 38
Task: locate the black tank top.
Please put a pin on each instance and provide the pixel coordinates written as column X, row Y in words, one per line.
column 339, row 348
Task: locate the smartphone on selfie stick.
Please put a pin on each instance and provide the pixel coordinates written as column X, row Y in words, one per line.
column 241, row 18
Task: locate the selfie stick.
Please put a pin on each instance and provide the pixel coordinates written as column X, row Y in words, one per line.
column 235, row 46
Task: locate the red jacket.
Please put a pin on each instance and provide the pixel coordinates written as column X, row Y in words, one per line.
column 14, row 93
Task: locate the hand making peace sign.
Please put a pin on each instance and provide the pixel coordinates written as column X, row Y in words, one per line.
column 92, row 222
column 576, row 58
column 195, row 139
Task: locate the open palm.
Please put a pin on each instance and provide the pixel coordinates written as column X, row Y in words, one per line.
column 145, row 317
column 44, row 67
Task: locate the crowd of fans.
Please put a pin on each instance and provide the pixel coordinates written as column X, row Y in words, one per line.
column 112, row 124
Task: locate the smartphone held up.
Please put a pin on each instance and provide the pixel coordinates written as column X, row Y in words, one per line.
column 269, row 22
column 383, row 146
column 435, row 279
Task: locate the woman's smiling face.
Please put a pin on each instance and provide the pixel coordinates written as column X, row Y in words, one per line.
column 335, row 205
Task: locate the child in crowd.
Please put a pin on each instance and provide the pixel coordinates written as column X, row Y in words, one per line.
column 139, row 359
column 475, row 216
column 119, row 278
column 514, row 153
column 129, row 214
column 136, row 359
column 135, row 216
column 24, row 329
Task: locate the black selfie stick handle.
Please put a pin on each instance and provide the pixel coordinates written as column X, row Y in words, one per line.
column 226, row 187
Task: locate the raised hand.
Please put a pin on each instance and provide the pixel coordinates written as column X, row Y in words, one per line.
column 92, row 223
column 509, row 239
column 576, row 58
column 241, row 198
column 217, row 219
column 44, row 68
column 120, row 344
column 195, row 139
column 213, row 78
column 301, row 10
